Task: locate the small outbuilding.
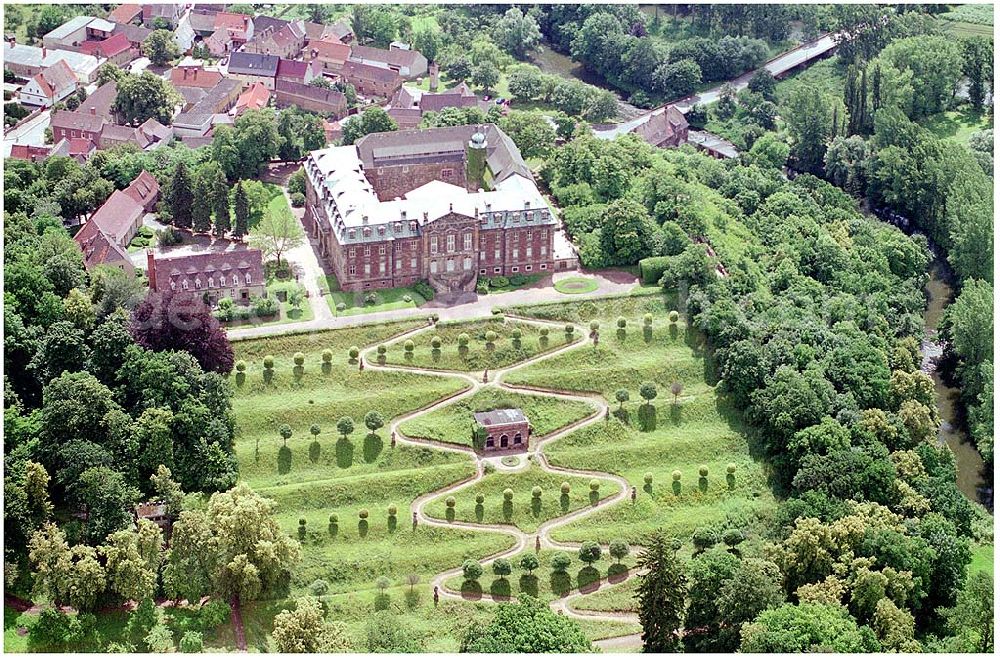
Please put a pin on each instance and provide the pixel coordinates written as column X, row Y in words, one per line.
column 502, row 430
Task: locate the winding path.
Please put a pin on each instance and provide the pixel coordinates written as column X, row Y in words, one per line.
column 522, row 540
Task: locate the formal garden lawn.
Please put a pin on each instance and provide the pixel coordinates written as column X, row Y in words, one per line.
column 957, row 125
column 614, row 598
column 524, row 510
column 342, row 302
column 575, row 285
column 453, row 423
column 656, row 439
column 545, row 582
column 506, row 349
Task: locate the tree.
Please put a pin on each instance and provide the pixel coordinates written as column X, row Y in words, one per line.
column 754, row 587
column 590, row 552
column 372, row 120
column 201, row 211
column 501, row 567
column 618, row 549
column 472, row 570
column 517, row 33
column 528, row 562
column 427, row 42
column 109, row 500
column 525, row 82
column 528, row 626
column 763, row 83
column 374, row 421
column 677, row 79
column 277, row 232
column 388, row 633
column 808, row 114
column 285, row 431
column 972, row 616
column 133, row 561
column 63, row 347
column 160, row 47
column 243, row 148
column 531, row 132
column 181, row 197
column 621, row 395
column 345, row 426
column 561, row 562
column 168, row 322
column 648, row 391
column 661, row 591
column 191, row 642
column 241, row 211
column 627, row 232
column 79, row 309
column 485, row 75
column 144, row 96
column 977, row 65
column 805, row 627
column 300, row 630
column 769, row 151
column 220, row 200
column 936, row 66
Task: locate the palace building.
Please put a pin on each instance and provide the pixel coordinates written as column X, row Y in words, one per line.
column 444, row 205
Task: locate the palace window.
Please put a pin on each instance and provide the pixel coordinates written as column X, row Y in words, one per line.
column 496, row 254
column 211, row 282
column 517, row 236
column 527, row 252
column 496, row 270
column 368, row 250
column 352, row 270
column 413, row 246
column 527, row 268
column 249, row 279
column 413, row 227
column 450, row 265
column 545, row 234
column 434, row 244
column 236, row 280
column 447, row 173
column 543, row 266
column 451, row 243
column 368, row 269
column 545, row 250
column 399, row 265
column 381, row 250
column 513, row 269
column 173, row 285
column 467, row 263
column 351, row 234
column 367, row 232
column 434, row 267
column 381, row 230
column 413, row 263
column 381, row 267
column 467, row 242
column 350, row 252
column 527, row 235
column 516, row 253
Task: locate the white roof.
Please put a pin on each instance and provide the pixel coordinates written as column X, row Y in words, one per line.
column 352, row 197
column 82, row 65
column 101, row 25
column 71, row 26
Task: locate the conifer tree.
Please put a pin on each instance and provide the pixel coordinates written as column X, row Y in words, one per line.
column 201, row 210
column 220, row 203
column 661, row 596
column 181, row 196
column 241, row 211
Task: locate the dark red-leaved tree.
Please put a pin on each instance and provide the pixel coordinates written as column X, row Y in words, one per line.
column 182, row 322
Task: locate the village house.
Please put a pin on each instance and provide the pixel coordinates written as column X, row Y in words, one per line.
column 29, row 152
column 328, row 102
column 116, row 50
column 106, row 235
column 409, row 105
column 404, row 206
column 104, row 133
column 155, row 15
column 291, row 70
column 126, row 14
column 503, row 429
column 196, row 121
column 50, row 86
column 255, row 97
column 371, row 80
column 77, row 30
column 28, row 61
column 100, row 102
column 286, row 41
column 331, row 54
column 235, row 273
column 666, row 129
column 251, row 67
column 408, row 63
column 136, row 34
column 155, row 512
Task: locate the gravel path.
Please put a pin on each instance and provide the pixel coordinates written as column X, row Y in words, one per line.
column 522, row 540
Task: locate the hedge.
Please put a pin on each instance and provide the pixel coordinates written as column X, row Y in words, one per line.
column 651, row 269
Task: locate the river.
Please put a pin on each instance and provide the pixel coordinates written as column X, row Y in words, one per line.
column 971, row 472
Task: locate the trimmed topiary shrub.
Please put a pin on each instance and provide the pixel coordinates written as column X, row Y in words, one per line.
column 594, row 325
column 353, row 352
column 450, row 501
column 621, row 323
column 392, row 510
column 674, row 316
column 564, row 488
column 463, row 340
column 595, row 485
column 647, row 319
column 508, row 494
column 731, row 468
column 516, row 334
column 241, row 366
column 543, row 332
column 648, row 478
column 491, row 336
column 569, row 329
column 268, row 362
column 480, row 499
column 362, row 514
column 408, row 346
column 677, row 476
column 536, row 492
column 299, row 358
column 327, row 356
column 703, row 471
column 436, row 342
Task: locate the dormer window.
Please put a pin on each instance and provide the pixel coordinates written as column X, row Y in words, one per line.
column 367, row 232
column 249, row 279
column 397, row 227
column 173, row 285
column 350, row 234
column 184, row 284
column 236, row 280
column 197, row 284
column 381, row 230
column 413, row 227
column 211, row 282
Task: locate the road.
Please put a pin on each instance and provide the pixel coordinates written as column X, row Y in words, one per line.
column 522, row 540
column 780, row 64
column 31, row 132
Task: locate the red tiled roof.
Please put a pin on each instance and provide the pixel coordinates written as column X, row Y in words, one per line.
column 77, row 121
column 369, row 72
column 331, row 50
column 118, row 214
column 232, row 22
column 99, row 103
column 98, row 247
column 292, row 69
column 55, row 79
column 194, row 76
column 107, row 48
column 254, row 98
column 143, row 188
column 80, row 146
column 29, row 152
column 125, row 13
